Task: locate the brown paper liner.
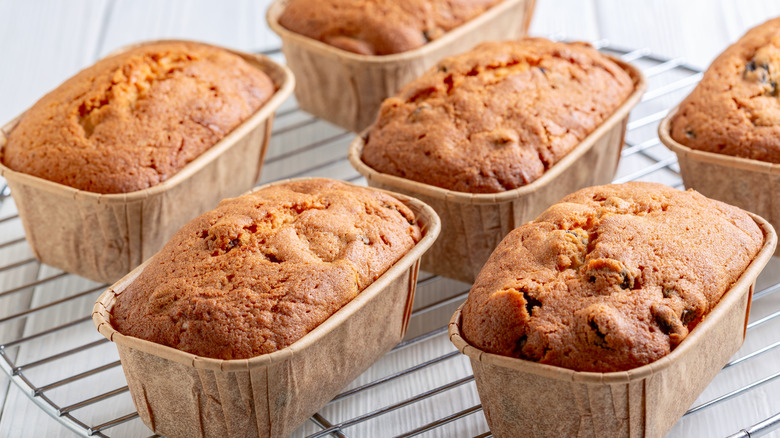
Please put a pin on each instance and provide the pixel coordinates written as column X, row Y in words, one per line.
column 549, row 401
column 347, row 88
column 103, row 237
column 474, row 224
column 751, row 185
column 178, row 394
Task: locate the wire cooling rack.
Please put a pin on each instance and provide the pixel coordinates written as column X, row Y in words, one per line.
column 51, row 351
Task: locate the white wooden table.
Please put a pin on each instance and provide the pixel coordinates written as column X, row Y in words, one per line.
column 44, row 42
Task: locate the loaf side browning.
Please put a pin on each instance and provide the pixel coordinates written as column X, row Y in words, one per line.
column 734, row 110
column 262, row 270
column 497, row 117
column 133, row 120
column 378, row 27
column 611, row 278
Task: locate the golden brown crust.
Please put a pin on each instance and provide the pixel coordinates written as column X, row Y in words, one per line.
column 611, row 278
column 497, row 117
column 378, row 27
column 260, row 271
column 735, row 109
column 133, row 120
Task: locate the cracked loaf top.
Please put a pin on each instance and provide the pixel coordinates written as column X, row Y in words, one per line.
column 133, row 120
column 262, row 270
column 735, row 110
column 611, row 278
column 378, row 27
column 497, row 117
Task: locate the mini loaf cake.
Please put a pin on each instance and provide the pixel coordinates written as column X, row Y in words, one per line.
column 262, row 270
column 497, row 117
column 378, row 27
column 134, row 119
column 734, row 110
column 611, row 278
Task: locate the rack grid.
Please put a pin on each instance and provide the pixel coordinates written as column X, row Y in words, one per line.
column 50, row 350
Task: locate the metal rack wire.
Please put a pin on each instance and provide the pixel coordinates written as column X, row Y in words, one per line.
column 49, row 349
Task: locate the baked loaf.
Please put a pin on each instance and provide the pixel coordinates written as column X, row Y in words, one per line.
column 378, row 27
column 260, row 271
column 735, row 110
column 133, row 120
column 497, row 117
column 611, row 278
